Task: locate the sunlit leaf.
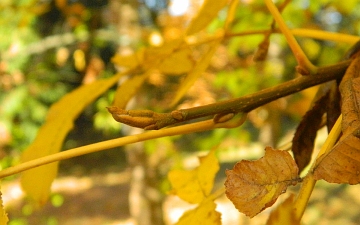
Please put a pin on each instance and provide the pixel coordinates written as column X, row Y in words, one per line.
column 341, row 163
column 194, row 185
column 203, row 214
column 154, row 56
column 178, row 63
column 128, row 89
column 127, row 61
column 283, row 214
column 3, row 215
column 255, row 185
column 207, row 13
column 196, row 72
column 231, row 14
column 37, row 182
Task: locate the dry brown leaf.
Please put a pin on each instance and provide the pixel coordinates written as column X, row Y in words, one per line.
column 255, row 185
column 284, row 214
column 304, row 138
column 333, row 109
column 342, row 163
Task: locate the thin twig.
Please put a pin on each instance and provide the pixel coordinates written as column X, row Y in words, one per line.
column 305, row 67
column 100, row 146
column 309, row 33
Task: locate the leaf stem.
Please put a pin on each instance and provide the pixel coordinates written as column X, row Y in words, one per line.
column 309, row 181
column 100, row 146
column 310, row 33
column 231, row 14
column 304, row 67
column 325, row 35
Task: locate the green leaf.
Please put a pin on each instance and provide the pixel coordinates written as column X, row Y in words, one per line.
column 37, row 182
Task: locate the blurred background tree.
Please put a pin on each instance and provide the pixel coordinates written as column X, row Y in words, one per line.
column 50, row 47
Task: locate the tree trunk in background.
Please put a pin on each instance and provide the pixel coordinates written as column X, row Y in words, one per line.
column 145, row 198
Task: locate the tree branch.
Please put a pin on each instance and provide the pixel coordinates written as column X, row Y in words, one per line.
column 225, row 110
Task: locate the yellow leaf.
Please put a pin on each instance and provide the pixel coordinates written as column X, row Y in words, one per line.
column 3, row 215
column 37, row 182
column 204, row 214
column 154, row 56
column 177, row 63
column 194, row 185
column 197, row 71
column 255, row 185
column 231, row 14
column 284, row 214
column 207, row 13
column 128, row 89
column 128, row 61
column 169, row 58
